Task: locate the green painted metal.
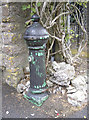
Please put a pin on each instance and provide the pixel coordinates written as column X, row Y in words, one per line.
column 36, row 42
column 35, row 101
column 32, row 101
column 32, row 19
column 41, row 38
column 38, row 91
column 44, row 84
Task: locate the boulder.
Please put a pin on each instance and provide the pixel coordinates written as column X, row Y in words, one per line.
column 79, row 81
column 49, row 83
column 20, row 88
column 62, row 74
column 77, row 98
column 77, row 92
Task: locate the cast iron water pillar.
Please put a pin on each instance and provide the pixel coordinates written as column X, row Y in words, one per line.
column 36, row 38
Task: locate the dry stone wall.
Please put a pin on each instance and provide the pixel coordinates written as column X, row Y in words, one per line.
column 14, row 55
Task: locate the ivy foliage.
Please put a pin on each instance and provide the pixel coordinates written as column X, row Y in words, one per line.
column 31, row 7
column 83, row 4
column 51, row 7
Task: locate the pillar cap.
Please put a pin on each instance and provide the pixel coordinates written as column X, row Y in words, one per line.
column 36, row 30
column 35, row 18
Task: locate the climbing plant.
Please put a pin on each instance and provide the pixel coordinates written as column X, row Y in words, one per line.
column 53, row 17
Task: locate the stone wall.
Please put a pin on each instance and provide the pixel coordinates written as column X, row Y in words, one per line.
column 14, row 56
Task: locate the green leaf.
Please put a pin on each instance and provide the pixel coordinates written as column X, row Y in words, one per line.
column 63, row 23
column 27, row 23
column 67, row 37
column 72, row 31
column 38, row 4
column 70, row 36
column 76, row 35
column 24, row 7
column 32, row 13
column 51, row 7
column 33, row 9
column 85, row 6
column 28, row 6
column 33, row 4
column 73, row 41
column 80, row 3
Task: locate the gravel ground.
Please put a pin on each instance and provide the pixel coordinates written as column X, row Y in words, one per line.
column 15, row 106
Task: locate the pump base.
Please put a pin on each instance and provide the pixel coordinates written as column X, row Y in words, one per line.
column 36, row 99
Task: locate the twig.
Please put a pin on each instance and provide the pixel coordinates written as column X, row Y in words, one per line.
column 43, row 9
column 55, row 37
column 49, row 51
column 53, row 21
column 55, row 53
column 37, row 8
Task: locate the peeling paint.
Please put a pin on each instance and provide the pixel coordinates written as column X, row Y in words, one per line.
column 44, row 84
column 36, row 53
column 40, row 37
column 40, row 54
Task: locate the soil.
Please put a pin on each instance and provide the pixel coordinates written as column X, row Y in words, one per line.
column 56, row 106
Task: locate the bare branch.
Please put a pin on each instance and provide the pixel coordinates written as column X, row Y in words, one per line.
column 80, row 50
column 49, row 51
column 55, row 52
column 57, row 7
column 43, row 9
column 55, row 37
column 53, row 21
column 37, row 8
column 79, row 13
column 59, row 16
